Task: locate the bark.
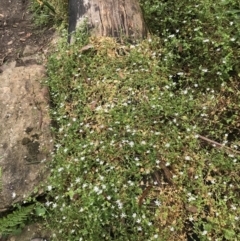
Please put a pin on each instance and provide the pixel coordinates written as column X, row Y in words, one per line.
column 113, row 18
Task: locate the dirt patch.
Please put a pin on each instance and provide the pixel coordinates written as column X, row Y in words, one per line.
column 17, row 30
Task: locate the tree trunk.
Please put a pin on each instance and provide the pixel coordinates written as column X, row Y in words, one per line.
column 113, row 18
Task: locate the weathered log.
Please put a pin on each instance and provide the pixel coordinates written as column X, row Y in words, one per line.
column 122, row 19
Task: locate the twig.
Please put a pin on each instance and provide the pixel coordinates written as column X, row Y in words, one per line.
column 218, row 144
column 144, row 195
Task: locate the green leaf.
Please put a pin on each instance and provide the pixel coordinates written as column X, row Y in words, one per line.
column 229, row 234
column 49, row 6
column 40, row 211
column 208, row 227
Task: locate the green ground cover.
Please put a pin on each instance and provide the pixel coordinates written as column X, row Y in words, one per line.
column 147, row 135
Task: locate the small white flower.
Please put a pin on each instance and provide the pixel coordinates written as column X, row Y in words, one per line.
column 180, row 73
column 134, row 215
column 205, row 40
column 213, row 181
column 158, row 203
column 172, row 229
column 233, row 207
column 187, row 158
column 96, row 189
column 191, row 199
column 13, row 195
column 78, row 180
column 120, row 204
column 48, row 203
column 49, row 188
column 131, row 183
column 131, row 143
column 204, row 232
column 167, row 145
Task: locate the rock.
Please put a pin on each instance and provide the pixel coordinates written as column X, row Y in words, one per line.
column 30, row 50
column 25, row 137
column 32, row 59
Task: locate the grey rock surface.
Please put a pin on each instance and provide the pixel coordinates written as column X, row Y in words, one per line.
column 25, row 137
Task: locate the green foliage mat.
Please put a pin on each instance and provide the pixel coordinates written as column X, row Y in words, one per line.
column 139, row 155
column 147, row 135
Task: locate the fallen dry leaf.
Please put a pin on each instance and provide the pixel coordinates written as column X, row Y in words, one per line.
column 191, row 208
column 28, row 35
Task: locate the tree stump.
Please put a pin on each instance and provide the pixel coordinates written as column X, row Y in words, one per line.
column 121, row 19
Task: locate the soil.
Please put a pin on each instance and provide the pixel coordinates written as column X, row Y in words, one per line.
column 17, row 30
